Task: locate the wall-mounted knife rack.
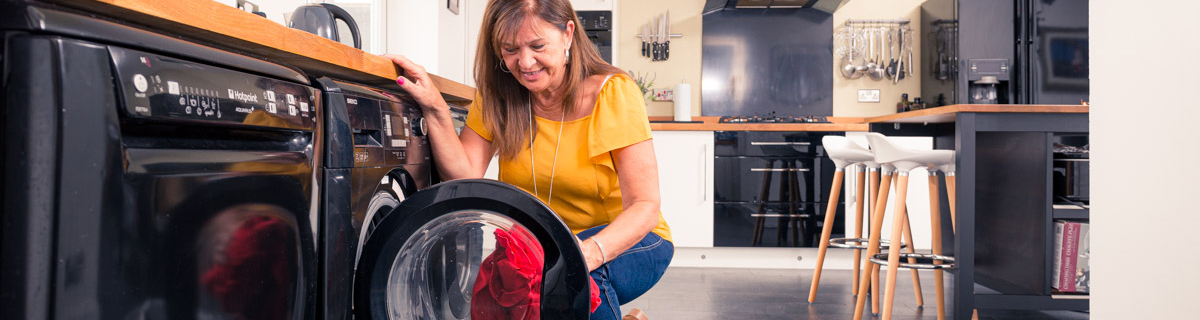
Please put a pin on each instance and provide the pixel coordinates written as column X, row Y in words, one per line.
column 656, row 37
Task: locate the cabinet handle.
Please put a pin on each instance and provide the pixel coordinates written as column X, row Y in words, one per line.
column 703, row 177
column 765, row 143
column 778, row 169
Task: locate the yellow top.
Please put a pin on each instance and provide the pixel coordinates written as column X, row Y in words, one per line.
column 586, row 189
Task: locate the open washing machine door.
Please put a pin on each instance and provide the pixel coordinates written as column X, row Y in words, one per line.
column 424, row 259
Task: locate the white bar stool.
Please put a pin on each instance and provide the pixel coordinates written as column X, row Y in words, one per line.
column 845, row 153
column 905, row 160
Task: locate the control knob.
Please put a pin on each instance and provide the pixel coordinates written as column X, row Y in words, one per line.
column 418, row 127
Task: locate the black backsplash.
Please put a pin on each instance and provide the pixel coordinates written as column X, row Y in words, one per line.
column 759, row 61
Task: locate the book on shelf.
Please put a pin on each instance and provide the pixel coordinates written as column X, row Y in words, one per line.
column 1071, row 272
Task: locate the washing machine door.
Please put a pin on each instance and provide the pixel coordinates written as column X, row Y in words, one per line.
column 461, row 249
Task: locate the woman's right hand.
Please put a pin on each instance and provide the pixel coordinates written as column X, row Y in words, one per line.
column 417, row 83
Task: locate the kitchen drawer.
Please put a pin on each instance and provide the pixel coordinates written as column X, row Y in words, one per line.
column 740, row 179
column 764, row 143
column 734, row 225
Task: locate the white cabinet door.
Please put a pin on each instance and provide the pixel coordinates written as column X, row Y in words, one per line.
column 593, row 5
column 685, row 175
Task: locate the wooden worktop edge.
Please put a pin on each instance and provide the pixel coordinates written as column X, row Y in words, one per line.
column 946, row 113
column 230, row 28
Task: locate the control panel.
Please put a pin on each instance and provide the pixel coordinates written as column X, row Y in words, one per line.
column 387, row 127
column 164, row 88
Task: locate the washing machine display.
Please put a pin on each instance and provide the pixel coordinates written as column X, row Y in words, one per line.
column 158, row 87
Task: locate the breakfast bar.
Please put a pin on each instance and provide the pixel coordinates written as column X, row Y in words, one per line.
column 1004, row 237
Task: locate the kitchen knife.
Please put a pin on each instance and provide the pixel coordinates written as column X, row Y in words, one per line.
column 662, row 38
column 645, row 34
column 667, row 44
column 654, row 38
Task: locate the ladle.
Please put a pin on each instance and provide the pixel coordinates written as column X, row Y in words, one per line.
column 849, row 70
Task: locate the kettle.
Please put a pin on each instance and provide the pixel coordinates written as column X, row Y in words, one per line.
column 318, row 19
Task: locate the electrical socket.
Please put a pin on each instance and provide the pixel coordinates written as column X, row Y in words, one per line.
column 662, row 94
column 868, row 95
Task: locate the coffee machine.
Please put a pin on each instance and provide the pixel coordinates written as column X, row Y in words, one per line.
column 988, row 81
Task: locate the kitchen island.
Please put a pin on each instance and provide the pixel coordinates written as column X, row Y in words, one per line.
column 1004, row 207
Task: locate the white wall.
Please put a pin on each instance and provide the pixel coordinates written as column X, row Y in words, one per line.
column 1142, row 219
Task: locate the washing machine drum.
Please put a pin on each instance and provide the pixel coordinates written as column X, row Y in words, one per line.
column 471, row 249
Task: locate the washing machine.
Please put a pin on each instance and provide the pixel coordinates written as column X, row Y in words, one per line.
column 399, row 244
column 148, row 177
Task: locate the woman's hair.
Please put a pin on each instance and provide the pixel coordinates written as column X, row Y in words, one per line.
column 504, row 101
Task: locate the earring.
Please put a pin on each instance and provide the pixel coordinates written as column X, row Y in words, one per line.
column 567, row 60
column 502, row 68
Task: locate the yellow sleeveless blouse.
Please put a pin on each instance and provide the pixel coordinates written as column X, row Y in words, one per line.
column 586, row 190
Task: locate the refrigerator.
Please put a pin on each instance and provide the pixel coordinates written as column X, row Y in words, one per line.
column 1036, row 50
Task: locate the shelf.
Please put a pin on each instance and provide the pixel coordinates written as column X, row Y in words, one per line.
column 1069, row 211
column 1032, row 302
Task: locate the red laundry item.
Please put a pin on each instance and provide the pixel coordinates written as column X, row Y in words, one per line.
column 253, row 280
column 510, row 280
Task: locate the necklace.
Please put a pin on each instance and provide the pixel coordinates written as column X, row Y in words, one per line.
column 553, row 164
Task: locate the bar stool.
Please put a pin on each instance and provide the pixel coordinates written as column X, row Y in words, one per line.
column 905, row 160
column 845, row 153
column 790, row 223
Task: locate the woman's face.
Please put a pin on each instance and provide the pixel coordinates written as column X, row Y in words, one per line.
column 536, row 55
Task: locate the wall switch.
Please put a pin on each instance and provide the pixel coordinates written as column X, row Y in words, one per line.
column 664, row 94
column 868, row 95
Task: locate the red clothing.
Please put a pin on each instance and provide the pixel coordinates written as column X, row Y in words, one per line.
column 510, row 281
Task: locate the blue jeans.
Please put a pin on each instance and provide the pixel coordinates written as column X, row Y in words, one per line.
column 630, row 274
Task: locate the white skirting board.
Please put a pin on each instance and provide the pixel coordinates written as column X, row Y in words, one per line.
column 763, row 258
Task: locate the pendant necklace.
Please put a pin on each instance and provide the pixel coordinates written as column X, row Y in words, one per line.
column 554, row 164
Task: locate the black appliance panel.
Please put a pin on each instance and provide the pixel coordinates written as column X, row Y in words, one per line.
column 164, row 88
column 1058, row 57
column 140, row 225
column 387, row 128
column 598, row 27
column 762, row 61
column 744, row 161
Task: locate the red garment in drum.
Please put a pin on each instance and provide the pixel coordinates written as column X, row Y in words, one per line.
column 510, row 281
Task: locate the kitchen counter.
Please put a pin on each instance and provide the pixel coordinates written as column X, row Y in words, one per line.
column 239, row 31
column 946, row 114
column 712, row 124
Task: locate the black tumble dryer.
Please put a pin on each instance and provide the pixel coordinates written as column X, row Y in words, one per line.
column 146, row 177
column 396, row 247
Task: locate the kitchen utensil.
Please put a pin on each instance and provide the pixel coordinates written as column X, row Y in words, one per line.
column 892, row 63
column 870, row 65
column 849, row 70
column 642, row 36
column 878, row 72
column 321, row 19
column 667, row 43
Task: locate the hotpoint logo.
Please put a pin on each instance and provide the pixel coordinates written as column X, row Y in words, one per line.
column 242, row 96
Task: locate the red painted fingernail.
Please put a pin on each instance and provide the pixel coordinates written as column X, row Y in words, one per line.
column 400, row 80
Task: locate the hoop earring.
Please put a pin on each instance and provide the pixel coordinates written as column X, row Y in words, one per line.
column 567, row 60
column 502, row 68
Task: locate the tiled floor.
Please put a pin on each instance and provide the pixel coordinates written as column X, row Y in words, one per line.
column 742, row 294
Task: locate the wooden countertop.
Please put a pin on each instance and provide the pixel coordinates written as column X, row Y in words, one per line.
column 946, row 114
column 713, row 124
column 227, row 27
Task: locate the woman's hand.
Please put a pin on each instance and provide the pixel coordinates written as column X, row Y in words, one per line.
column 591, row 254
column 416, row 82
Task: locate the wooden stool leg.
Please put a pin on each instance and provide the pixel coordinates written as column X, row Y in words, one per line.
column 911, row 248
column 875, row 296
column 858, row 221
column 830, row 211
column 935, row 221
column 762, row 205
column 950, row 197
column 889, row 291
column 872, row 243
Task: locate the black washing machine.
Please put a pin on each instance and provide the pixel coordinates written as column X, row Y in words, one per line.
column 397, row 247
column 146, row 177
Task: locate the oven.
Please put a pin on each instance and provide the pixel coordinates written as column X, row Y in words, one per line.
column 769, row 188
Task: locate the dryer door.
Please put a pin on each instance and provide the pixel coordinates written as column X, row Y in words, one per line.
column 469, row 248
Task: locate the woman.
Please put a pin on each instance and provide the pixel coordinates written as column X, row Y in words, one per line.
column 570, row 129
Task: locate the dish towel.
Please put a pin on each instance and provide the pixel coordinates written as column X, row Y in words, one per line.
column 510, row 281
